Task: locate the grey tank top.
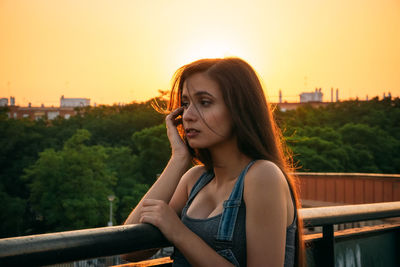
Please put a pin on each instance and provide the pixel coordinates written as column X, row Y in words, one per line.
column 226, row 232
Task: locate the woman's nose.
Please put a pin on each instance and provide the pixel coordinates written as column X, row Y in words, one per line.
column 189, row 113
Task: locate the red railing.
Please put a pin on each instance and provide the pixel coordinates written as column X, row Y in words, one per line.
column 349, row 188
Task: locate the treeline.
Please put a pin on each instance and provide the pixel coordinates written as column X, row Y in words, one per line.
column 351, row 136
column 56, row 175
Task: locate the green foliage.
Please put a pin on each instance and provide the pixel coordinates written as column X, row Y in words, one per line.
column 114, row 125
column 351, row 136
column 111, row 129
column 383, row 148
column 20, row 142
column 56, row 175
column 12, row 214
column 69, row 188
column 153, row 152
column 137, row 171
column 130, row 198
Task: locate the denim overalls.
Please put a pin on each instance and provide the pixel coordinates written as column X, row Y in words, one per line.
column 226, row 222
column 225, row 233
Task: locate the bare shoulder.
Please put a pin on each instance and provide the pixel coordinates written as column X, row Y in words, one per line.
column 192, row 175
column 185, row 184
column 266, row 188
column 194, row 172
column 266, row 173
column 265, row 182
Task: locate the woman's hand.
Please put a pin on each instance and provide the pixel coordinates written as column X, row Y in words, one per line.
column 179, row 148
column 161, row 215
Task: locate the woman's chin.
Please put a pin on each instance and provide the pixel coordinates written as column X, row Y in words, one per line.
column 194, row 145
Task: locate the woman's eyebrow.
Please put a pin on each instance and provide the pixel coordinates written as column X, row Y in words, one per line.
column 200, row 93
column 197, row 94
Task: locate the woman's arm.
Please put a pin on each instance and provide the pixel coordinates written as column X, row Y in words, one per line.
column 163, row 188
column 269, row 210
column 157, row 197
column 166, row 184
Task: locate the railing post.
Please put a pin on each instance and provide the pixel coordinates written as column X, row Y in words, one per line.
column 328, row 241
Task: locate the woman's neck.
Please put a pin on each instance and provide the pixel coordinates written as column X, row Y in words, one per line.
column 228, row 162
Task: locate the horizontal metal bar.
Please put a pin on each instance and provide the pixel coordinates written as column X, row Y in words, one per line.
column 320, row 175
column 67, row 246
column 349, row 213
column 91, row 243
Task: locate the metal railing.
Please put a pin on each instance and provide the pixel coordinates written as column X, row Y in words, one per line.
column 68, row 246
column 327, row 217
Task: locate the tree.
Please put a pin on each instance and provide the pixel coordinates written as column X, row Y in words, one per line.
column 316, row 154
column 137, row 171
column 153, row 153
column 69, row 188
column 362, row 136
column 128, row 190
column 12, row 215
column 383, row 148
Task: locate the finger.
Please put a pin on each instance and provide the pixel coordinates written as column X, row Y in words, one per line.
column 150, row 218
column 151, row 208
column 145, row 219
column 147, row 209
column 174, row 114
column 178, row 121
column 177, row 112
column 148, row 202
column 152, row 202
column 146, row 215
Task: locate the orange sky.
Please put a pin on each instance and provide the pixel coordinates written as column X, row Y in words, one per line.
column 115, row 51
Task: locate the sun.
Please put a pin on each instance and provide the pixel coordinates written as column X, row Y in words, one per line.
column 210, row 48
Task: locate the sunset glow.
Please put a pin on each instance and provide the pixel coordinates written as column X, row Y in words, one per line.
column 123, row 51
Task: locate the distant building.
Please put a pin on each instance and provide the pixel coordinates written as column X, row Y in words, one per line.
column 3, row 102
column 36, row 113
column 292, row 106
column 74, row 102
column 312, row 96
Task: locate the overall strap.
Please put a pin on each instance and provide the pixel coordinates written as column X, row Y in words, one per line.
column 204, row 179
column 231, row 208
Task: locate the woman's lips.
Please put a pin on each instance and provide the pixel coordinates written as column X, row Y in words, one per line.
column 190, row 132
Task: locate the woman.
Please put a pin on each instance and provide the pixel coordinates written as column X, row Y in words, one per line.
column 238, row 205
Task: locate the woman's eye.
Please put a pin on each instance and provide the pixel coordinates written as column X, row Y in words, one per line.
column 205, row 103
column 185, row 104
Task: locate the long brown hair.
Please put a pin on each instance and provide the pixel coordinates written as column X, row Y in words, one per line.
column 257, row 134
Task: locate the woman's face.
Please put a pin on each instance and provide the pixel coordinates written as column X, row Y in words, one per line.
column 206, row 118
